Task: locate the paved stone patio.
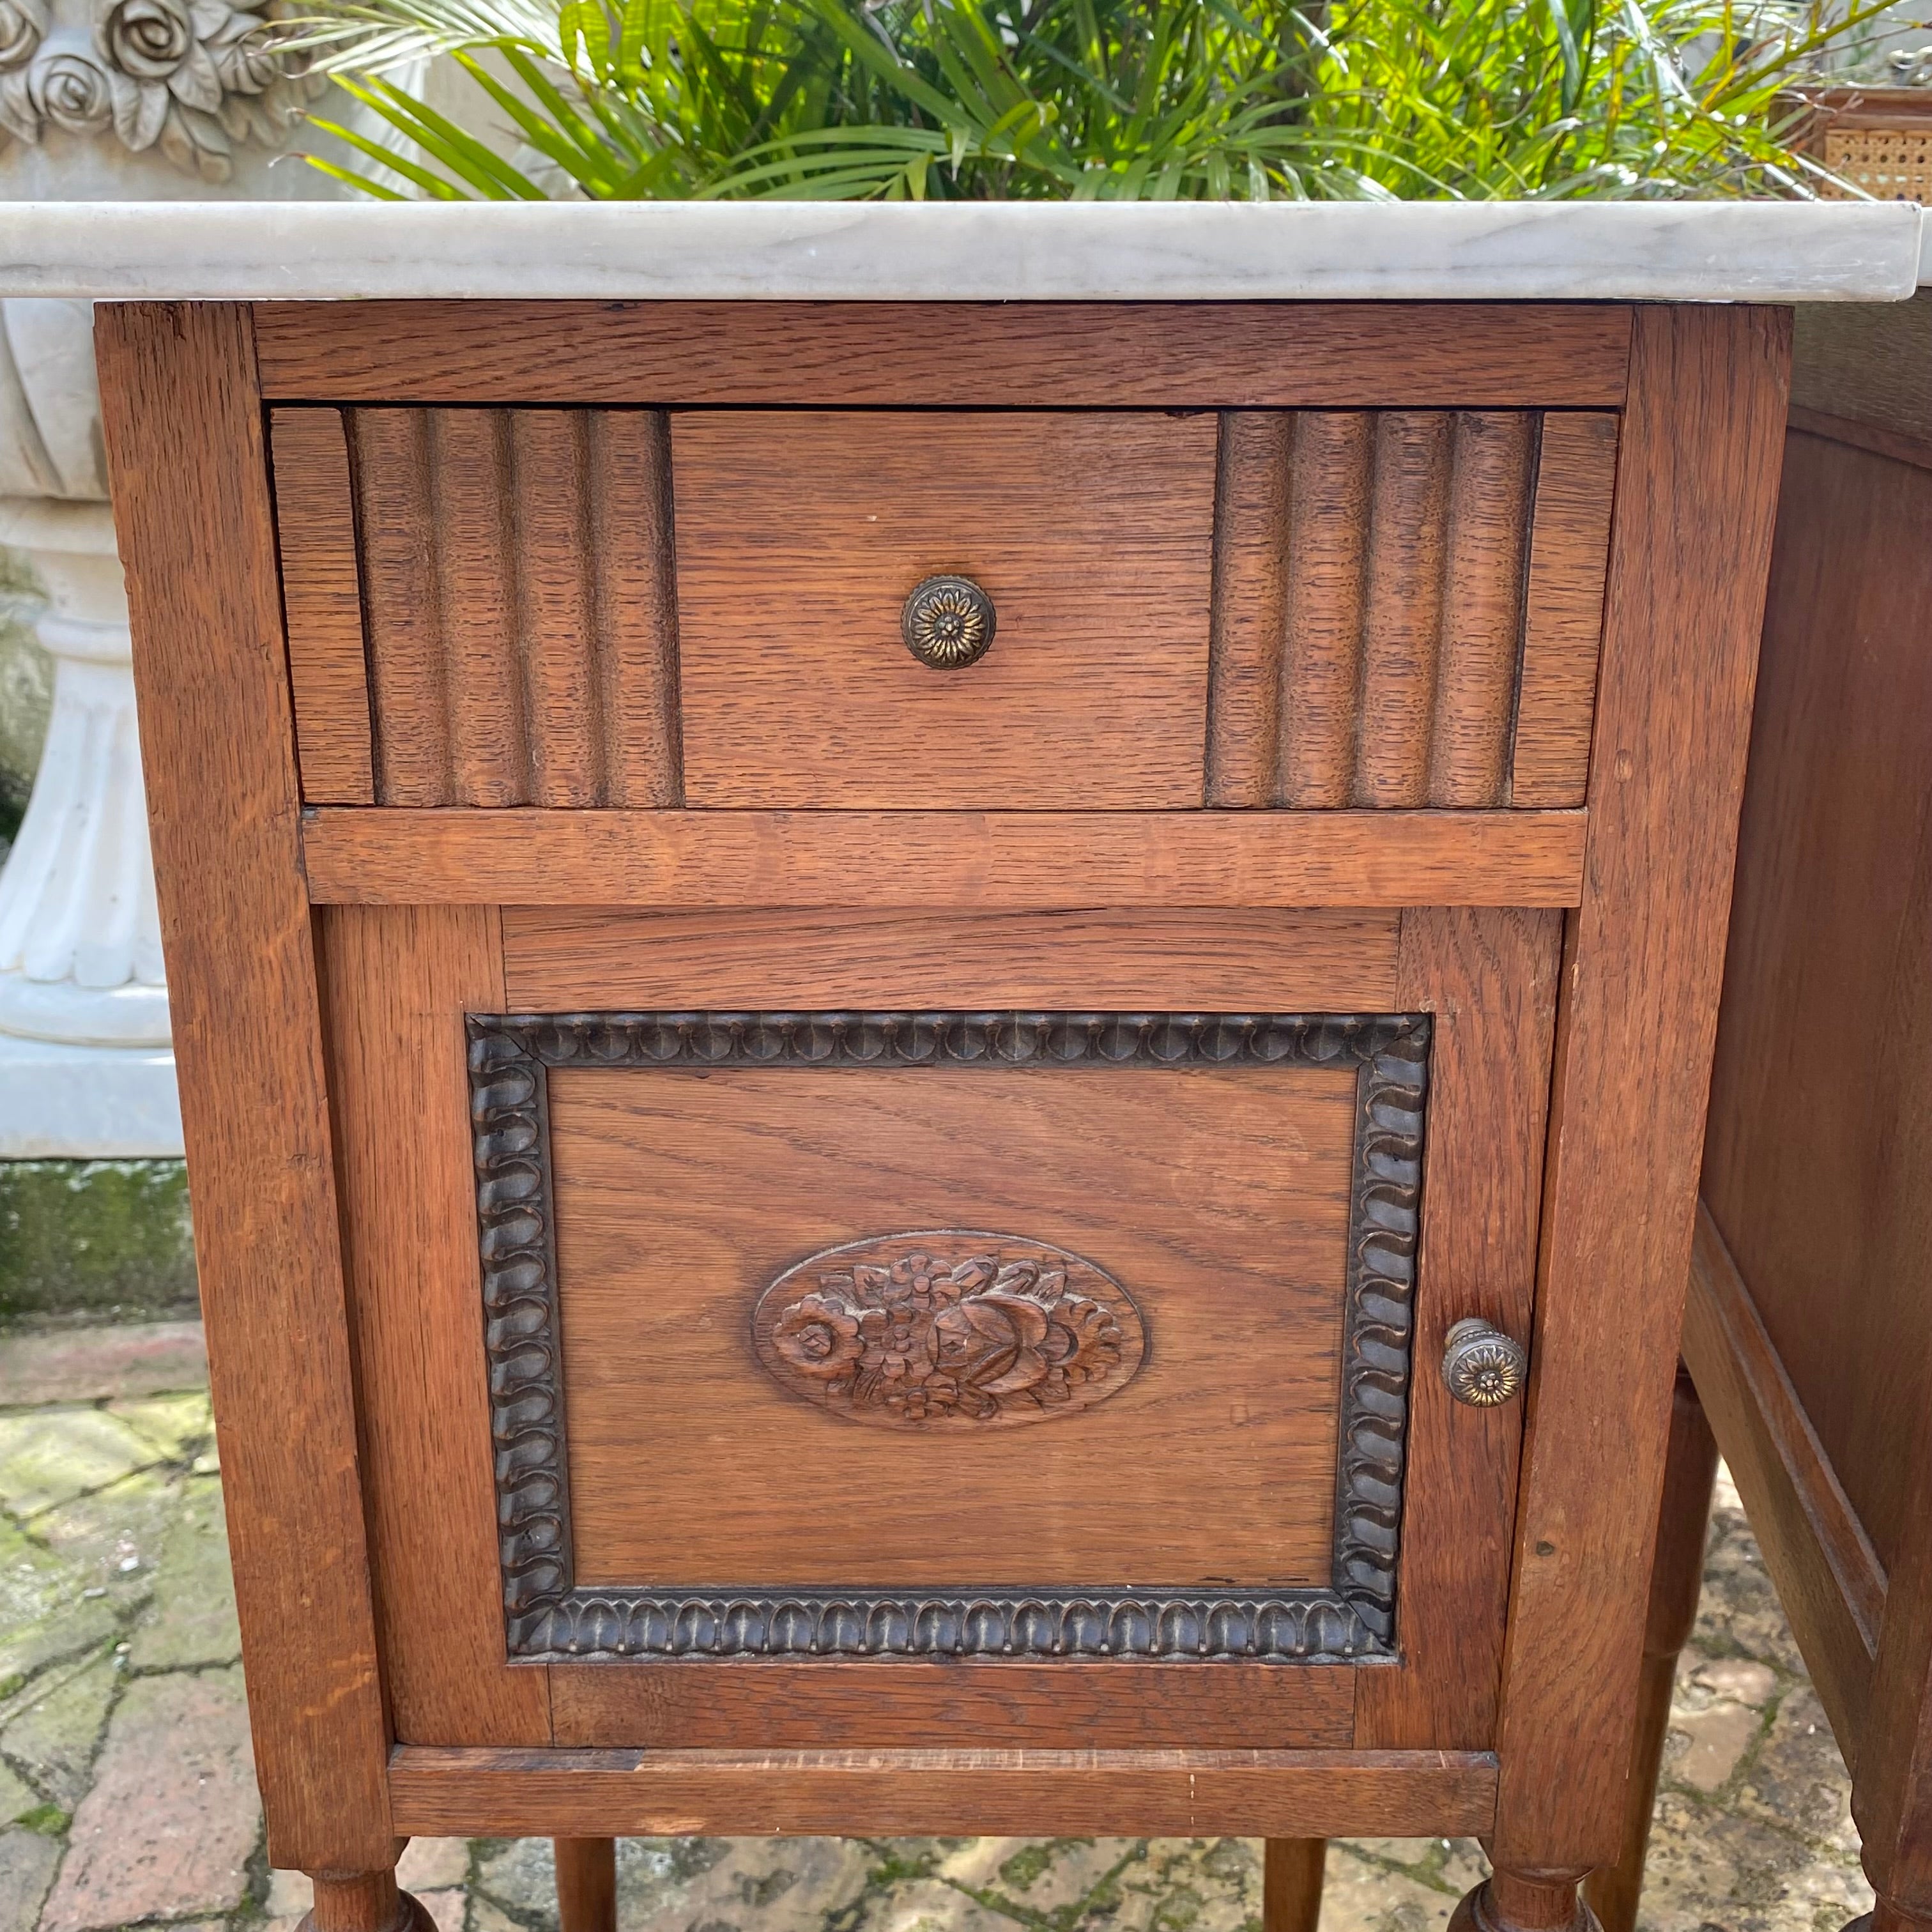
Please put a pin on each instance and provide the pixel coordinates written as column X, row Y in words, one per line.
column 125, row 1769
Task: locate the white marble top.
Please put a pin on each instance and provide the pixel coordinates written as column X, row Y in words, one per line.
column 1771, row 252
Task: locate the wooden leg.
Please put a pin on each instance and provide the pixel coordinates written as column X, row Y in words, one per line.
column 363, row 1902
column 1291, row 1884
column 1517, row 1901
column 1886, row 1917
column 1676, row 1576
column 586, row 1884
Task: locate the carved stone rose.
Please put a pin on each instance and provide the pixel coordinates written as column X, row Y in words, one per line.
column 190, row 76
column 70, row 91
column 23, row 26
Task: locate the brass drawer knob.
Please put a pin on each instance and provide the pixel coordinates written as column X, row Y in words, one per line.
column 1481, row 1366
column 948, row 622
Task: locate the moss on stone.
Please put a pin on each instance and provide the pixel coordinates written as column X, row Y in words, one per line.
column 100, row 1238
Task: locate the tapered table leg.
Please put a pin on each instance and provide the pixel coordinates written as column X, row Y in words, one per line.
column 363, row 1902
column 1291, row 1884
column 1676, row 1576
column 586, row 1884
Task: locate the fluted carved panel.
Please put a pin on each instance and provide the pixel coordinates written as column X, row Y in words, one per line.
column 516, row 581
column 1376, row 572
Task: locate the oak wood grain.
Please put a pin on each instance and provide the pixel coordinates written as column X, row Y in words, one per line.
column 1015, row 860
column 321, row 604
column 987, row 356
column 1368, row 606
column 1482, row 600
column 398, row 980
column 1490, row 978
column 1324, row 541
column 1244, row 674
column 1644, row 952
column 565, row 959
column 1813, row 1151
column 800, row 535
column 1872, row 365
column 1613, row 1892
column 690, row 1466
column 1402, row 620
column 1291, row 1874
column 1172, row 1793
column 1563, row 608
column 1828, row 1575
column 823, row 1703
column 518, row 579
column 218, row 738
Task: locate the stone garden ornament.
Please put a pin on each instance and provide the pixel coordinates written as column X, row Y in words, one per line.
column 191, row 79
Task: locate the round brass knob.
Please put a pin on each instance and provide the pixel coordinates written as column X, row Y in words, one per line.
column 948, row 622
column 1481, row 1366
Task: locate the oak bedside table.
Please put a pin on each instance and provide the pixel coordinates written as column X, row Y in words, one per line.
column 944, row 1037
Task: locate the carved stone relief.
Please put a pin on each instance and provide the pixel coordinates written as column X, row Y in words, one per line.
column 191, row 78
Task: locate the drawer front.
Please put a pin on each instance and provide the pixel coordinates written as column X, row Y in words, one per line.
column 1313, row 610
column 800, row 536
column 1070, row 1372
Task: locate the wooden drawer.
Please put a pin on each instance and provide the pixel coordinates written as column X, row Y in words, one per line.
column 800, row 536
column 585, row 608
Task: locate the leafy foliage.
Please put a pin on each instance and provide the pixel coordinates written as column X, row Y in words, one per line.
column 1097, row 99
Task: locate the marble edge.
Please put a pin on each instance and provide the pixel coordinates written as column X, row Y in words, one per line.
column 1763, row 252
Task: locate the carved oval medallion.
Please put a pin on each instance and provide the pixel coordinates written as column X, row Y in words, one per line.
column 950, row 1327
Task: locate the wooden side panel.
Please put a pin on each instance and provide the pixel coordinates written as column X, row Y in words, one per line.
column 1009, row 860
column 1370, row 599
column 218, row 734
column 1146, row 1793
column 321, row 604
column 399, row 979
column 565, row 961
column 1115, row 1705
column 953, row 355
column 1821, row 1122
column 800, row 536
column 1489, row 977
column 519, row 584
column 1563, row 609
column 1867, row 364
column 1642, row 966
column 1828, row 1579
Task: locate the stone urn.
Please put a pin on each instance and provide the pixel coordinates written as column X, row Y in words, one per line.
column 128, row 100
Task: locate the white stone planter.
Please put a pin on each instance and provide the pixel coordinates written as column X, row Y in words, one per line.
column 86, row 1067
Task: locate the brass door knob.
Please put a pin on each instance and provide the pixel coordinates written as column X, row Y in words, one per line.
column 948, row 622
column 1481, row 1366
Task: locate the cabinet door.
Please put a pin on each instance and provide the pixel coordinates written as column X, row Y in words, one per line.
column 1054, row 1349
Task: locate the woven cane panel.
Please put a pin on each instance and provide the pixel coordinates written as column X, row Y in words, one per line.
column 1892, row 164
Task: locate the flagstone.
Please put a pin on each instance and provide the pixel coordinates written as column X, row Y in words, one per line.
column 168, row 1828
column 191, row 1619
column 181, row 1426
column 51, row 1456
column 52, row 1734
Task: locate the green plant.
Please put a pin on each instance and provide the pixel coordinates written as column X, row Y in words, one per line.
column 1102, row 99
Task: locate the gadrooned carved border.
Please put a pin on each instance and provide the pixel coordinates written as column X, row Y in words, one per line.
column 546, row 1616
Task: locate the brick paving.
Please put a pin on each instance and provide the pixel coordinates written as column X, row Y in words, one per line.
column 129, row 1800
